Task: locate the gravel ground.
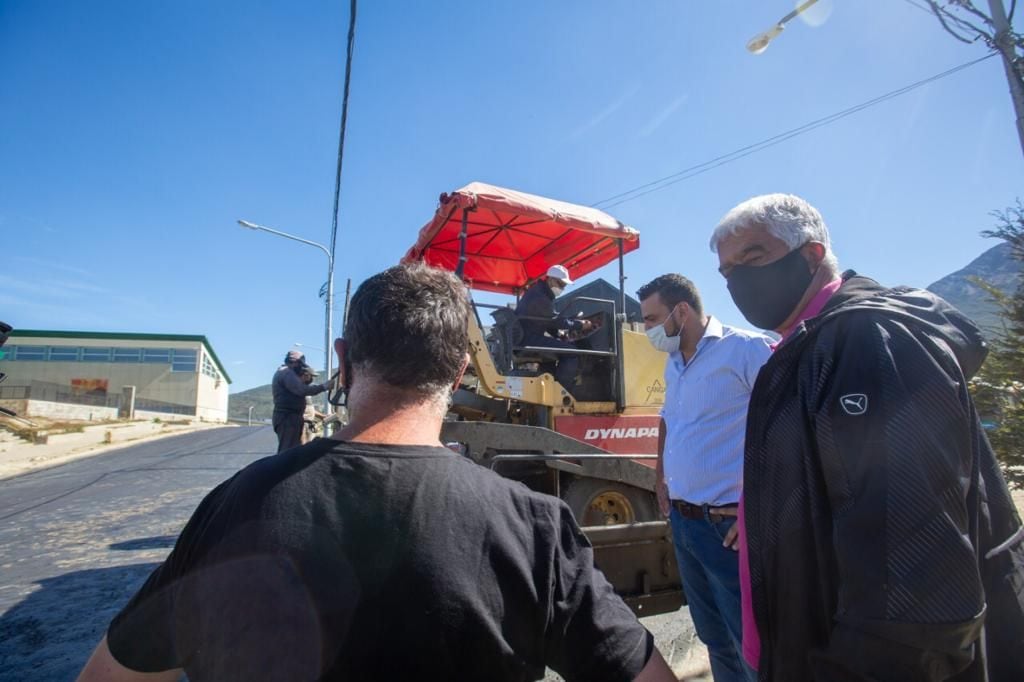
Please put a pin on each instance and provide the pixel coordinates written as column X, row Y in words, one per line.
column 676, row 640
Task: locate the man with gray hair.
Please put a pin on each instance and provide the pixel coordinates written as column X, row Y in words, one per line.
column 379, row 554
column 879, row 534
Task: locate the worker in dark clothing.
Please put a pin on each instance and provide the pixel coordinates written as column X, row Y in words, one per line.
column 290, row 393
column 541, row 325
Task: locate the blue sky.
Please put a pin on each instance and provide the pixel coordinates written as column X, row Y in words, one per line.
column 134, row 133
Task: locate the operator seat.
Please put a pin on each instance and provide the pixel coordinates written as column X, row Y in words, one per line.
column 509, row 335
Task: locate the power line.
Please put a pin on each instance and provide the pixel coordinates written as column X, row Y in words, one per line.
column 344, row 121
column 692, row 171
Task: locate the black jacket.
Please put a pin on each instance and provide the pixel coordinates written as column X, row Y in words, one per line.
column 290, row 391
column 873, row 497
column 536, row 312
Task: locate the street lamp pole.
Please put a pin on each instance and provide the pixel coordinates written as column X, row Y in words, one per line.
column 329, row 317
column 759, row 43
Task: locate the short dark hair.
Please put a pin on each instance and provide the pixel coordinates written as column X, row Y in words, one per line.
column 673, row 289
column 409, row 327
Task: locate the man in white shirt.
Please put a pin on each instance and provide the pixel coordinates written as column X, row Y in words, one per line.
column 709, row 376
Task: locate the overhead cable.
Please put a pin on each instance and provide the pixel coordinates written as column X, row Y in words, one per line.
column 344, row 121
column 692, row 171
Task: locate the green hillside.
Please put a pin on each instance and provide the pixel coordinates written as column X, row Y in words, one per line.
column 261, row 400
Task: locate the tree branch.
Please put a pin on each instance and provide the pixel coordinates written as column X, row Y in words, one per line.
column 942, row 14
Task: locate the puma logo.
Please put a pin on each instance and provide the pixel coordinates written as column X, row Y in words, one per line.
column 854, row 403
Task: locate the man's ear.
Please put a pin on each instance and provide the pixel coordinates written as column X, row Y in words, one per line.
column 814, row 254
column 684, row 310
column 341, row 349
column 458, row 377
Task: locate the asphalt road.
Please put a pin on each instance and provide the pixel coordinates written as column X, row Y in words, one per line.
column 77, row 540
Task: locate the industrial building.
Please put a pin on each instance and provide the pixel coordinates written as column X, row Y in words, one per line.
column 104, row 375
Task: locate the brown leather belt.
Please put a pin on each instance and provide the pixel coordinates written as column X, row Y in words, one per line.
column 710, row 512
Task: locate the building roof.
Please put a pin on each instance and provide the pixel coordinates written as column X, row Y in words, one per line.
column 600, row 288
column 124, row 336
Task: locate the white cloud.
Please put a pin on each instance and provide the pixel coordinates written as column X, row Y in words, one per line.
column 604, row 113
column 662, row 116
column 52, row 265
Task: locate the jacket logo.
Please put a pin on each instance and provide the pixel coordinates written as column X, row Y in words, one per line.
column 854, row 403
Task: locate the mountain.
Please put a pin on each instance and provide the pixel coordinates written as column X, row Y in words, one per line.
column 261, row 400
column 996, row 267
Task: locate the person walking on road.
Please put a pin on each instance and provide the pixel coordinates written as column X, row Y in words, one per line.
column 290, row 392
column 881, row 540
column 710, row 372
column 378, row 553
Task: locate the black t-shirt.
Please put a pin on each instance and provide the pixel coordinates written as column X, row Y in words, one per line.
column 347, row 561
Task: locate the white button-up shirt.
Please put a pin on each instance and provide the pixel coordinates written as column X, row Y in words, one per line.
column 705, row 413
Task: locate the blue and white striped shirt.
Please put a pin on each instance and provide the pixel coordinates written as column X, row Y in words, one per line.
column 705, row 413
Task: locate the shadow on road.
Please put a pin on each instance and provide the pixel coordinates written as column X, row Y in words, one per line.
column 50, row 634
column 155, row 542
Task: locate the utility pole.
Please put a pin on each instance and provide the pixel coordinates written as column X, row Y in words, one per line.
column 1008, row 50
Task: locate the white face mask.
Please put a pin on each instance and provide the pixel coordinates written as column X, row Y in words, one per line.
column 662, row 341
column 556, row 290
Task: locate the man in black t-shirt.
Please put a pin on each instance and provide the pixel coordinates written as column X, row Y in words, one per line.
column 382, row 554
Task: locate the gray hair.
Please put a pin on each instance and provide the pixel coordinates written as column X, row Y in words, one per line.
column 785, row 216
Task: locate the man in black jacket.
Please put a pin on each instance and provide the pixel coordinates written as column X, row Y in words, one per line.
column 542, row 326
column 290, row 391
column 882, row 542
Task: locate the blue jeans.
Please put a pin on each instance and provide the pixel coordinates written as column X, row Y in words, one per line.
column 710, row 574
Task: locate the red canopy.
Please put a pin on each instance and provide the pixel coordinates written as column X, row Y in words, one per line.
column 514, row 237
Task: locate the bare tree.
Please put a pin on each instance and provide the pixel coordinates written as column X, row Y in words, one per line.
column 964, row 21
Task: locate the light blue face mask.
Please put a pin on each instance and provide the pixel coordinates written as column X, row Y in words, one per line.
column 661, row 340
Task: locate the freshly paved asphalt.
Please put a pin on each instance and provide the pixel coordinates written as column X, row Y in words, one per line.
column 77, row 540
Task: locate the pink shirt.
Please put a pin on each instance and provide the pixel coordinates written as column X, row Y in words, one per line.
column 751, row 639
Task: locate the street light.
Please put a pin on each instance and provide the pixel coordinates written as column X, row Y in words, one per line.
column 328, row 323
column 759, row 43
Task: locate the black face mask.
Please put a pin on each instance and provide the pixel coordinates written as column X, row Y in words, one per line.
column 767, row 294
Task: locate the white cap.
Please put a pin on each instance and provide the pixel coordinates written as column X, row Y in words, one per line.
column 560, row 273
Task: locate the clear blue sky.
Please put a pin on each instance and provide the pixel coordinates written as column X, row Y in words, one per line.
column 134, row 133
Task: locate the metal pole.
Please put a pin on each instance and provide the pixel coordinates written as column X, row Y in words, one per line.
column 622, row 281
column 792, row 15
column 344, row 313
column 460, row 269
column 328, row 327
column 1008, row 51
column 250, row 415
column 620, row 325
